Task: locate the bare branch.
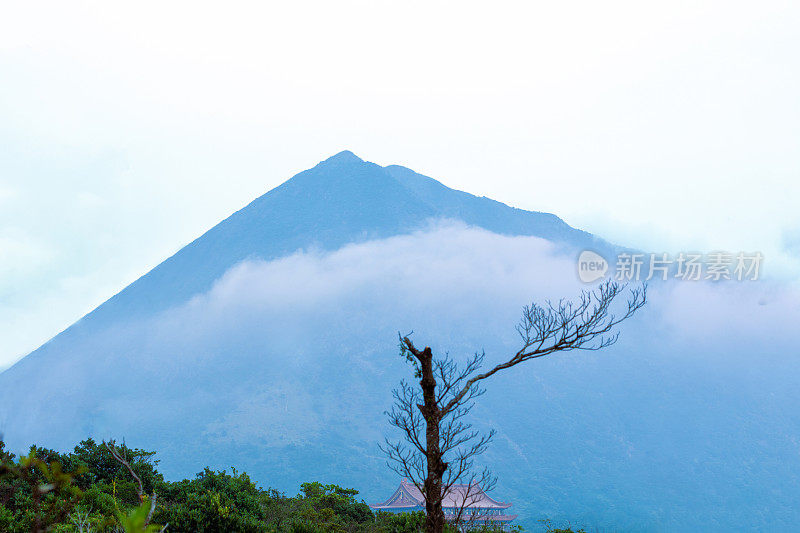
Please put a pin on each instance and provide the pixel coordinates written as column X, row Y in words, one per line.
column 121, row 457
column 111, row 447
column 566, row 326
column 152, row 509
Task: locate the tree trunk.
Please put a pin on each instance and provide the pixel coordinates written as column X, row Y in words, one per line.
column 434, row 520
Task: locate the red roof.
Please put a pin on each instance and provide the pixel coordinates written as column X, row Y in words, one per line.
column 408, row 495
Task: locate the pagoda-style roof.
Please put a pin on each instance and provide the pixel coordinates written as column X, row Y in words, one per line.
column 408, row 496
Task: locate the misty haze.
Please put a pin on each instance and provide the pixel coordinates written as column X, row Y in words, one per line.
column 585, row 320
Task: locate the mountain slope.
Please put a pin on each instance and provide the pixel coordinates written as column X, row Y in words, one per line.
column 239, row 351
column 490, row 214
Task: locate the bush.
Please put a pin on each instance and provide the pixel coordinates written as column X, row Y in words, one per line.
column 89, row 490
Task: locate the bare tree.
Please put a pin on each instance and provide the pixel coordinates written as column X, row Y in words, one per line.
column 121, row 457
column 439, row 446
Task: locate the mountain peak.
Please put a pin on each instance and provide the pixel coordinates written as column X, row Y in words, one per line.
column 345, row 156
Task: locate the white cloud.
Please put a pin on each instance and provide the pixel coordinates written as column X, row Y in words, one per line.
column 463, row 281
column 428, row 269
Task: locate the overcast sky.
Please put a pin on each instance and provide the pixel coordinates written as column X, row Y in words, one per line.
column 127, row 131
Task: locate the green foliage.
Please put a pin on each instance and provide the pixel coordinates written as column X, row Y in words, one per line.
column 35, row 491
column 400, row 522
column 213, row 501
column 101, row 467
column 340, row 502
column 218, row 501
column 135, row 521
column 87, row 490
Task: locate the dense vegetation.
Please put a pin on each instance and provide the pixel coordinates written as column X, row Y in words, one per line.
column 89, row 490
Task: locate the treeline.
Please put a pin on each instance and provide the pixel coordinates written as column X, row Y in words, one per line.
column 110, row 488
